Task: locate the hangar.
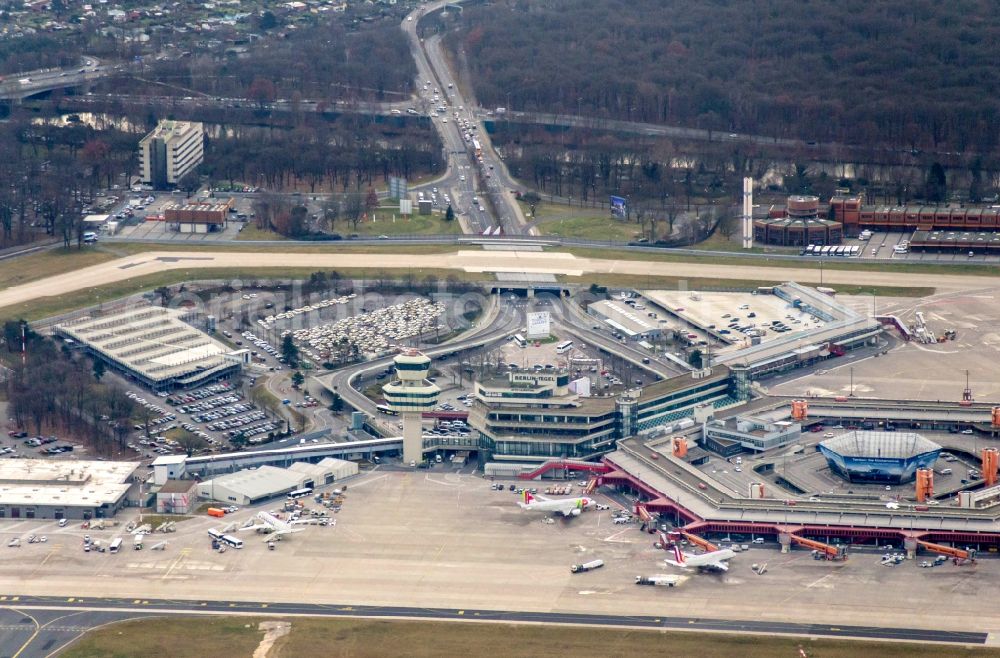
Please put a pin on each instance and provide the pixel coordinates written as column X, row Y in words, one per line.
column 251, row 486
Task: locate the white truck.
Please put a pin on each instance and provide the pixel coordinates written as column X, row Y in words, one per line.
column 587, row 566
column 658, row 580
column 137, row 540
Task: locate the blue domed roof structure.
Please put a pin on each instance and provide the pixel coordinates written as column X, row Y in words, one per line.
column 879, row 457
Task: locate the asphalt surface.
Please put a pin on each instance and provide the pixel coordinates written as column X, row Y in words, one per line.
column 101, row 610
column 26, row 633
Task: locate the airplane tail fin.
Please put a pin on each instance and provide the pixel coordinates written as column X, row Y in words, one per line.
column 527, row 497
column 678, row 554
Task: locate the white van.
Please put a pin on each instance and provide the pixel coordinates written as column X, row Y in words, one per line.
column 90, row 237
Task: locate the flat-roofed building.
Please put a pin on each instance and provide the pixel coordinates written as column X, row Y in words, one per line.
column 155, row 347
column 77, row 489
column 177, row 497
column 532, row 416
column 750, row 432
column 198, row 216
column 171, row 151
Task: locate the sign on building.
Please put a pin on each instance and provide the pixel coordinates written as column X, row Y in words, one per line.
column 538, row 325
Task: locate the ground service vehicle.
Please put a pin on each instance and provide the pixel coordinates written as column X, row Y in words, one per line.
column 137, row 541
column 300, row 493
column 116, row 544
column 658, row 580
column 587, row 566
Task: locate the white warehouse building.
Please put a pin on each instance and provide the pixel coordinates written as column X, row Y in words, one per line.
column 251, row 486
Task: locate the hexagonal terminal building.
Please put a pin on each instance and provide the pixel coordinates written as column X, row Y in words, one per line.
column 879, row 457
column 410, row 394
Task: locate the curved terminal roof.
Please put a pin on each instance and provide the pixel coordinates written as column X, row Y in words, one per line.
column 884, row 445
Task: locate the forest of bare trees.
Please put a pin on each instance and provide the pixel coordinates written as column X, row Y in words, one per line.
column 897, row 73
column 56, row 390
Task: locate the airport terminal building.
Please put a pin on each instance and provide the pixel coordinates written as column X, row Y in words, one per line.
column 534, row 416
column 881, row 457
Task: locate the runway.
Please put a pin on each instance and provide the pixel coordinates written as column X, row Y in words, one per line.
column 101, row 610
column 471, row 261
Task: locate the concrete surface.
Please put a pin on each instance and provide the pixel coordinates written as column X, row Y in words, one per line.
column 904, row 373
column 444, row 540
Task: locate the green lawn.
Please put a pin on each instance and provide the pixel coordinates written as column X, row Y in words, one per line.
column 716, row 242
column 392, row 223
column 251, row 232
column 196, row 637
column 576, row 222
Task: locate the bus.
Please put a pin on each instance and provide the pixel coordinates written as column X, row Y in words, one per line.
column 519, row 339
column 386, row 409
column 811, row 250
column 825, row 251
column 564, row 347
column 215, row 534
column 300, row 493
column 116, row 544
column 234, row 542
column 477, row 148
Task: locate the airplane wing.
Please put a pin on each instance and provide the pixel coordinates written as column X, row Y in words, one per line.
column 722, row 566
column 260, row 526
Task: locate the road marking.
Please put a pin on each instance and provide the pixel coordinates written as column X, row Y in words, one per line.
column 817, row 582
column 184, row 553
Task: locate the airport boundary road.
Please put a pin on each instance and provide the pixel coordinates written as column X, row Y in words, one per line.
column 264, row 608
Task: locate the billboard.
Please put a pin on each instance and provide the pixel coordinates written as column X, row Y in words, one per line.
column 538, row 325
column 405, row 206
column 398, row 187
column 618, row 207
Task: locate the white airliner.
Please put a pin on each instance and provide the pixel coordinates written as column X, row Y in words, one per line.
column 712, row 560
column 275, row 527
column 567, row 507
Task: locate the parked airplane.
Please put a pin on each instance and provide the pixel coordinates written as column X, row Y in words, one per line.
column 275, row 527
column 567, row 507
column 711, row 560
column 892, row 505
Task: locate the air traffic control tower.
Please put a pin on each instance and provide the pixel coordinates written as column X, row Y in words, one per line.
column 410, row 394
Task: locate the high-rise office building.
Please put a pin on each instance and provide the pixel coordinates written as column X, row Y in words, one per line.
column 172, row 150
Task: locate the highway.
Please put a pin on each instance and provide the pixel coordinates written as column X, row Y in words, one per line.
column 25, row 84
column 346, row 610
column 485, row 178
